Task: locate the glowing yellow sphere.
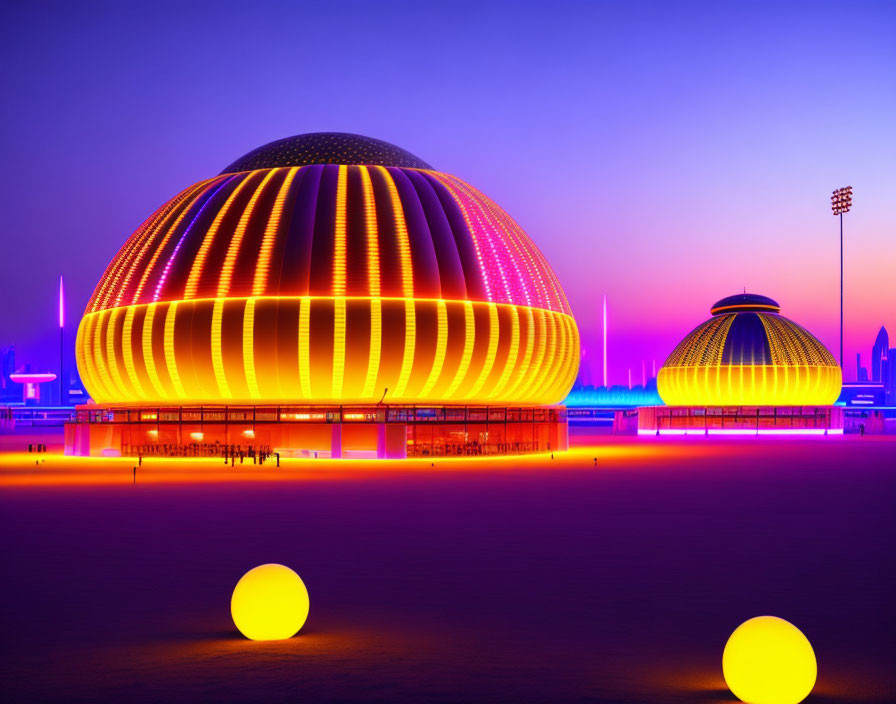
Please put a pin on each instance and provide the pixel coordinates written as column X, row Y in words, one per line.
column 270, row 602
column 768, row 660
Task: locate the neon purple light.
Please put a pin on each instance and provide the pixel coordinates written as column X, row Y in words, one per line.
column 605, row 341
column 61, row 304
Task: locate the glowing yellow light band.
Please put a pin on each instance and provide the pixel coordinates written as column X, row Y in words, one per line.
column 259, row 285
column 502, row 367
column 512, row 355
column 209, row 238
column 170, row 358
column 441, row 347
column 410, row 344
column 102, row 372
column 110, row 348
column 401, row 235
column 750, row 385
column 148, row 359
column 527, row 354
column 338, row 346
column 467, row 354
column 376, row 346
column 304, row 346
column 238, row 234
column 249, row 348
column 217, row 350
column 490, row 354
column 127, row 349
column 339, row 243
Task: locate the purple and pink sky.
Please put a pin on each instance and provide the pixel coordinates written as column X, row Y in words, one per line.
column 666, row 154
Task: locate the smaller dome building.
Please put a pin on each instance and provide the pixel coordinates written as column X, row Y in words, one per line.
column 747, row 354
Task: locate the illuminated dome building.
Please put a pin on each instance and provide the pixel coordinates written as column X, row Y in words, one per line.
column 747, row 368
column 342, row 291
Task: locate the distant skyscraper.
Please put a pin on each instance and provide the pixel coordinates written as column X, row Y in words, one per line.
column 879, row 353
column 861, row 372
column 888, row 369
column 585, row 369
column 9, row 390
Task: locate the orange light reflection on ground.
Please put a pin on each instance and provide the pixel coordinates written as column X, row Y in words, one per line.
column 54, row 468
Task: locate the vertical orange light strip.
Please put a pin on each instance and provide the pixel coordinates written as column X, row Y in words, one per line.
column 170, row 355
column 401, row 235
column 132, row 259
column 304, row 346
column 260, row 284
column 467, row 354
column 339, row 245
column 338, row 347
column 569, row 342
column 217, row 349
column 492, row 350
column 339, row 278
column 102, row 373
column 233, row 250
column 525, row 372
column 410, row 345
column 550, row 355
column 127, row 348
column 541, row 332
column 114, row 371
column 135, row 263
column 512, row 354
column 249, row 348
column 374, row 286
column 407, row 284
column 148, row 359
column 109, row 284
column 196, row 270
column 441, row 347
column 376, row 345
column 150, row 267
column 83, row 345
column 373, row 243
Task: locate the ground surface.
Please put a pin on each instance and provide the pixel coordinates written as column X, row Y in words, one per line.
column 527, row 580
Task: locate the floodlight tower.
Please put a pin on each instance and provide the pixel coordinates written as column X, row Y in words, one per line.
column 841, row 202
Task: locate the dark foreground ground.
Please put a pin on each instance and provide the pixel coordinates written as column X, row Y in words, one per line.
column 533, row 581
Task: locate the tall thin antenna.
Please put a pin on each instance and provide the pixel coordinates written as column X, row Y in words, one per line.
column 605, row 341
column 62, row 399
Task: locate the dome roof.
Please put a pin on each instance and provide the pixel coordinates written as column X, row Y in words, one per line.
column 329, row 283
column 327, row 230
column 326, row 148
column 748, row 354
column 744, row 302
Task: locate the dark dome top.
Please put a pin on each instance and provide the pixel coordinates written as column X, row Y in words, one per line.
column 745, row 302
column 326, row 148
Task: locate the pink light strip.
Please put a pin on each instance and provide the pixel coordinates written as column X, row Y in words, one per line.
column 61, row 304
